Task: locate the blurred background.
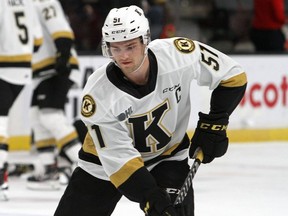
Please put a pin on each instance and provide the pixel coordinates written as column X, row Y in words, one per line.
column 223, row 24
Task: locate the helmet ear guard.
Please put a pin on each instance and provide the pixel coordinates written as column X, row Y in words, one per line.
column 124, row 24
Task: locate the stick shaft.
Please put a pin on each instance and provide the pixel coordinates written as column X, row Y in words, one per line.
column 188, row 181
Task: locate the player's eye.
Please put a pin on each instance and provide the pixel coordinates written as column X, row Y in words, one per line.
column 131, row 48
column 115, row 50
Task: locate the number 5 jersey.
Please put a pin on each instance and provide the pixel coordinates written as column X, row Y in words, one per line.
column 20, row 33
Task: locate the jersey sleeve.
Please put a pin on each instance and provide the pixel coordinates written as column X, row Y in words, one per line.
column 112, row 142
column 214, row 66
column 224, row 76
column 57, row 26
column 55, row 20
column 37, row 30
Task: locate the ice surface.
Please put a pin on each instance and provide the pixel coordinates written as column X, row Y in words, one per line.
column 250, row 180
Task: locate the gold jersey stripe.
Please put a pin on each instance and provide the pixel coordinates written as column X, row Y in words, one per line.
column 126, row 171
column 45, row 143
column 38, row 41
column 73, row 60
column 88, row 145
column 43, row 63
column 50, row 61
column 16, row 58
column 235, row 81
column 64, row 34
column 18, row 143
column 67, row 139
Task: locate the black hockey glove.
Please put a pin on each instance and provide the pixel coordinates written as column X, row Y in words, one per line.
column 62, row 65
column 210, row 135
column 157, row 203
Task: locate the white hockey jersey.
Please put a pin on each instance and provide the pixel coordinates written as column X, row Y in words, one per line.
column 20, row 31
column 128, row 129
column 55, row 25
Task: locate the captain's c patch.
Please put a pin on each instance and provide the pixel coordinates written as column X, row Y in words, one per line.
column 184, row 45
column 88, row 106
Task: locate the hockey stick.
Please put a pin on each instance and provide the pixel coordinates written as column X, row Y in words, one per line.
column 188, row 181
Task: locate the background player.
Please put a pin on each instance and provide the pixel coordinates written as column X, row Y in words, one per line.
column 137, row 109
column 55, row 70
column 20, row 34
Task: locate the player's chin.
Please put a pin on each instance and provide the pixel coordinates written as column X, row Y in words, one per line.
column 126, row 68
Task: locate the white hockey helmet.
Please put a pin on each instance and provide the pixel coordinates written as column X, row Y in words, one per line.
column 124, row 24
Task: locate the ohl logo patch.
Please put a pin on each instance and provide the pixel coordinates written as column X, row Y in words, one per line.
column 184, row 45
column 88, row 107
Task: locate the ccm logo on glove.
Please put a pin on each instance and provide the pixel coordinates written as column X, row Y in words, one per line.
column 213, row 127
column 210, row 135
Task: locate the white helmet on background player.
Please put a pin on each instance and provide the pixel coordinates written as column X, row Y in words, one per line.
column 124, row 24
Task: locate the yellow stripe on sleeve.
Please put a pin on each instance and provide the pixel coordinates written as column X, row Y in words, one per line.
column 126, row 171
column 45, row 143
column 16, row 58
column 236, row 81
column 64, row 34
column 38, row 41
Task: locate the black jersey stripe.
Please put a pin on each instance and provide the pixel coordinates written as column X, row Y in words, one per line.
column 15, row 64
column 89, row 157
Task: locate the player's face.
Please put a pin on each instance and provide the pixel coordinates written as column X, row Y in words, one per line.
column 128, row 54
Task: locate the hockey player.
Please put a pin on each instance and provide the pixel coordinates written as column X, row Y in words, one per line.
column 55, row 70
column 20, row 34
column 136, row 109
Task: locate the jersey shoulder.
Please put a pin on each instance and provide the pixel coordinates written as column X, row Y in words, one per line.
column 53, row 19
column 172, row 54
column 98, row 95
column 182, row 45
column 95, row 79
column 45, row 2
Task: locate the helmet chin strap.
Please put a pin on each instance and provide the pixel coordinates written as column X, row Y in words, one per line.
column 142, row 62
